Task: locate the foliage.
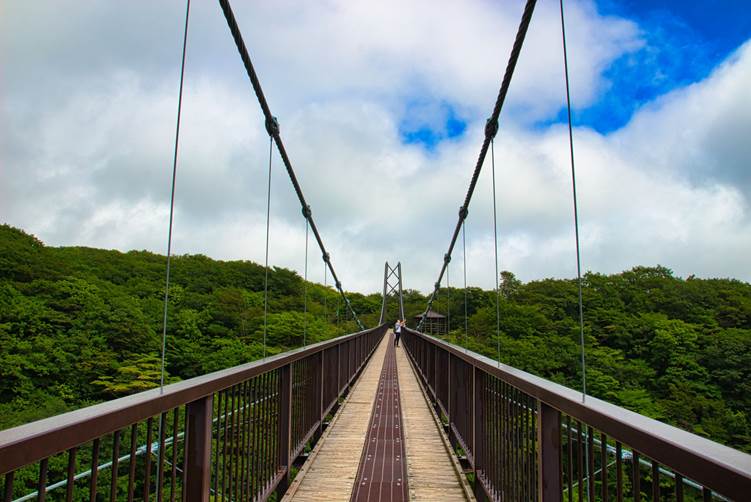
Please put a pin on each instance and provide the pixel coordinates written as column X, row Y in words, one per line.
column 678, row 350
column 81, row 325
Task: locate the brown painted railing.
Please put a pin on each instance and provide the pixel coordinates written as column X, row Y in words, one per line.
column 232, row 434
column 526, row 438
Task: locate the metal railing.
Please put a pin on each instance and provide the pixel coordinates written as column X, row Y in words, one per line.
column 231, row 435
column 526, row 438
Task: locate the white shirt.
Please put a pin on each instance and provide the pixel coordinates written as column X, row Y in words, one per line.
column 397, row 327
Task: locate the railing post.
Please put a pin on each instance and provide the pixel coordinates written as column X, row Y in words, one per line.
column 478, row 434
column 434, row 353
column 549, row 453
column 322, row 388
column 285, row 427
column 198, row 450
column 448, row 392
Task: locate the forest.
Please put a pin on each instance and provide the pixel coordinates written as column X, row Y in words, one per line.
column 80, row 326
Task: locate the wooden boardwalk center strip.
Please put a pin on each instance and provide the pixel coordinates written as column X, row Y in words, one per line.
column 384, row 432
column 382, row 475
column 434, row 473
column 329, row 474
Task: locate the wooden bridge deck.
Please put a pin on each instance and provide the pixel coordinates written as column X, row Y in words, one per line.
column 432, row 471
column 331, row 470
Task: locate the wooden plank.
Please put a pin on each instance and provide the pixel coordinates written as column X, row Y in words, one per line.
column 329, row 474
column 434, row 474
column 432, row 471
column 382, row 474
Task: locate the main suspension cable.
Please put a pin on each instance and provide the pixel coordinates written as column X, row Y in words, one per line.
column 172, row 197
column 266, row 266
column 491, row 128
column 272, row 127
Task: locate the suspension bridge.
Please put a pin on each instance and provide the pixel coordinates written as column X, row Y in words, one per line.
column 366, row 416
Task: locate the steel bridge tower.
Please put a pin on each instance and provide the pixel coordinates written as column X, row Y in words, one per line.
column 392, row 283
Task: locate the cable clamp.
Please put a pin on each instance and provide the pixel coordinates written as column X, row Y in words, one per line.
column 326, row 257
column 339, row 285
column 491, row 128
column 446, row 258
column 463, row 212
column 307, row 212
column 272, row 126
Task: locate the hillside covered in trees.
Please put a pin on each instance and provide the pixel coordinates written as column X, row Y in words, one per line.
column 675, row 350
column 81, row 325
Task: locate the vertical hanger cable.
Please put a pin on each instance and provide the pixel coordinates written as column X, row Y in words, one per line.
column 266, row 267
column 495, row 247
column 172, row 198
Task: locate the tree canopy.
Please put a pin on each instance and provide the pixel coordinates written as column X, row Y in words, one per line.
column 678, row 350
column 81, row 325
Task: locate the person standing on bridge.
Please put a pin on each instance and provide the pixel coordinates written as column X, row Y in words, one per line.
column 397, row 332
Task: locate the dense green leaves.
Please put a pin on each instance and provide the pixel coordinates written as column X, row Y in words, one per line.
column 81, row 325
column 673, row 349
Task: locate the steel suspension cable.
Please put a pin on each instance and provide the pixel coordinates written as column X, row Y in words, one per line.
column 576, row 231
column 266, row 263
column 272, row 127
column 464, row 256
column 172, row 196
column 491, row 128
column 448, row 302
column 495, row 248
column 305, row 291
column 576, row 208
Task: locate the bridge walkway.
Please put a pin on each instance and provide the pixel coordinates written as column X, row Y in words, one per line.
column 382, row 401
column 433, row 472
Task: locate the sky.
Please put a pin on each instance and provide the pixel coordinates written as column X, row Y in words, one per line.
column 382, row 108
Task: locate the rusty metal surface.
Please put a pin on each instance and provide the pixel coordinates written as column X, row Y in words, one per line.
column 382, row 474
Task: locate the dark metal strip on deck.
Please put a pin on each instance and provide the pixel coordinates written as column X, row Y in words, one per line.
column 382, row 474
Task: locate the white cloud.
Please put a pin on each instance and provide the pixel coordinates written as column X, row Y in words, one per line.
column 89, row 162
column 700, row 131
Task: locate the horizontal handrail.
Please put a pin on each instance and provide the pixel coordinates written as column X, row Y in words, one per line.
column 721, row 468
column 28, row 443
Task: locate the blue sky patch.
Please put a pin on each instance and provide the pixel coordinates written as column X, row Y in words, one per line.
column 427, row 123
column 685, row 41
